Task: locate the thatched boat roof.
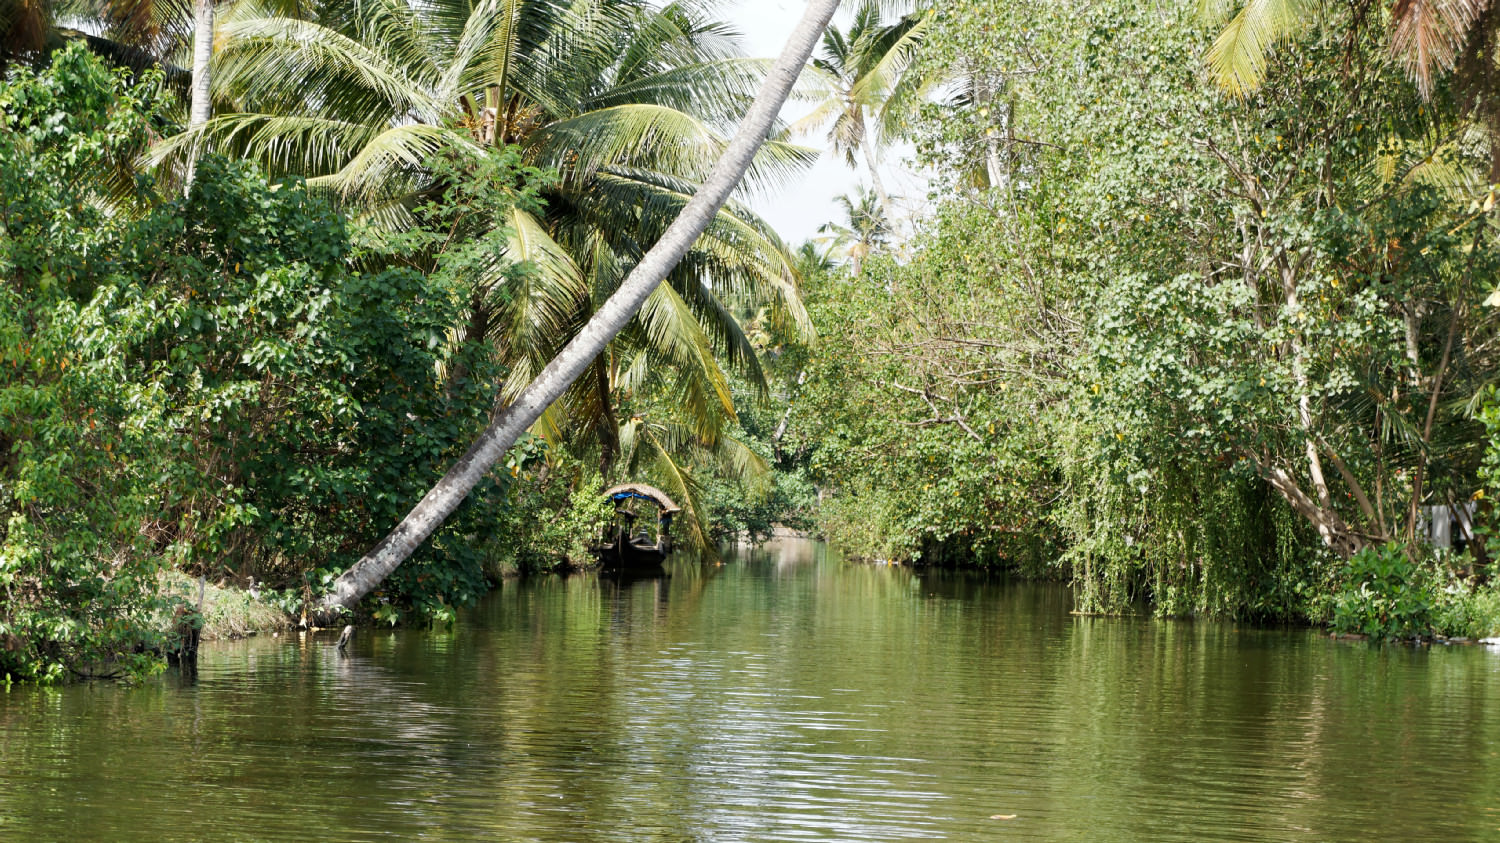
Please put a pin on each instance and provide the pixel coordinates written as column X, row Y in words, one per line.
column 641, row 490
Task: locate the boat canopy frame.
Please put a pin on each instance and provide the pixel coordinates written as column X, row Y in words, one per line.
column 626, row 491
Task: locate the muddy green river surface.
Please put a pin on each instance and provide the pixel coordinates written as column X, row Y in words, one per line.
column 781, row 696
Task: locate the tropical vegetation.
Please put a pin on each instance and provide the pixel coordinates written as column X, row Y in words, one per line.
column 1199, row 314
column 1190, row 350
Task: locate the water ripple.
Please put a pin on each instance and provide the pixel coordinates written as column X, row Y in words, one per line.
column 781, row 697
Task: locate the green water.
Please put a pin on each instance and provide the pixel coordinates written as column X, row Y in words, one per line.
column 782, row 696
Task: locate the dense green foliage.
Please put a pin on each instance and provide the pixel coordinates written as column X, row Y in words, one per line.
column 1184, row 348
column 628, row 102
column 1211, row 353
column 77, row 570
column 209, row 383
column 402, row 232
column 1383, row 596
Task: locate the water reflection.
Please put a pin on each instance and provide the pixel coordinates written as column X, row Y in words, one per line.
column 779, row 696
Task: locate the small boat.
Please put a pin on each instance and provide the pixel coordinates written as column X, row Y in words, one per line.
column 630, row 542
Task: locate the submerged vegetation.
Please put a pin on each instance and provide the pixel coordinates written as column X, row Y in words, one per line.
column 1201, row 335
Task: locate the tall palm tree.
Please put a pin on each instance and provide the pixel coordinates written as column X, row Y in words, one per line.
column 656, row 264
column 871, row 91
column 624, row 101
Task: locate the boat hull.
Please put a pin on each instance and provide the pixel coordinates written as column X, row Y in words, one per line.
column 625, row 555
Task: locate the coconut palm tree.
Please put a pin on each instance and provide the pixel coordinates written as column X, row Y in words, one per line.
column 864, row 229
column 613, row 316
column 626, row 102
column 870, row 90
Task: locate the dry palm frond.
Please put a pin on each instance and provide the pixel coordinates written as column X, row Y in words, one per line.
column 1428, row 35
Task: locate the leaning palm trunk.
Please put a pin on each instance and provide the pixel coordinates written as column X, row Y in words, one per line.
column 609, row 320
column 203, row 51
column 201, row 107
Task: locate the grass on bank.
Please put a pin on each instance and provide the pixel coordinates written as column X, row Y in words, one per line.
column 228, row 612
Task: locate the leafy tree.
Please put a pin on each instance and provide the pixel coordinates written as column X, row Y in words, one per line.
column 77, row 572
column 1210, row 335
column 206, row 382
column 1431, row 40
column 621, row 100
column 626, row 102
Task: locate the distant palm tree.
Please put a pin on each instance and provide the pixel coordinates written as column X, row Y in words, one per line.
column 814, row 256
column 864, row 229
column 872, row 92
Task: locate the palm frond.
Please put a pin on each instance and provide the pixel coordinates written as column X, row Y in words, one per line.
column 1399, row 165
column 716, row 91
column 738, row 256
column 399, row 151
column 305, row 145
column 652, row 138
column 1237, row 59
column 1427, row 35
column 894, row 50
column 677, row 481
column 304, row 64
column 674, row 332
column 537, row 305
column 741, row 463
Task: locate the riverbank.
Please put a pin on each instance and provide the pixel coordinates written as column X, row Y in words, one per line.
column 229, row 612
column 1379, row 594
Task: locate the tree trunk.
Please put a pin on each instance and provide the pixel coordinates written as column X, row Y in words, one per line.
column 786, row 416
column 608, row 321
column 203, row 51
column 609, row 426
column 868, row 148
column 1331, row 528
column 1432, row 405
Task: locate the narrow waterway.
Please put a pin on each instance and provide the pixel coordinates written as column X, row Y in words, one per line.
column 781, row 696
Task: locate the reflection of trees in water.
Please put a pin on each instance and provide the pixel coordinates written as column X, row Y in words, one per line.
column 780, row 693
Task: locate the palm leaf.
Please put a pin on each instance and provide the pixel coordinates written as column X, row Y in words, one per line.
column 536, row 306
column 398, row 152
column 1237, row 59
column 302, row 63
column 1428, row 35
column 674, row 332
